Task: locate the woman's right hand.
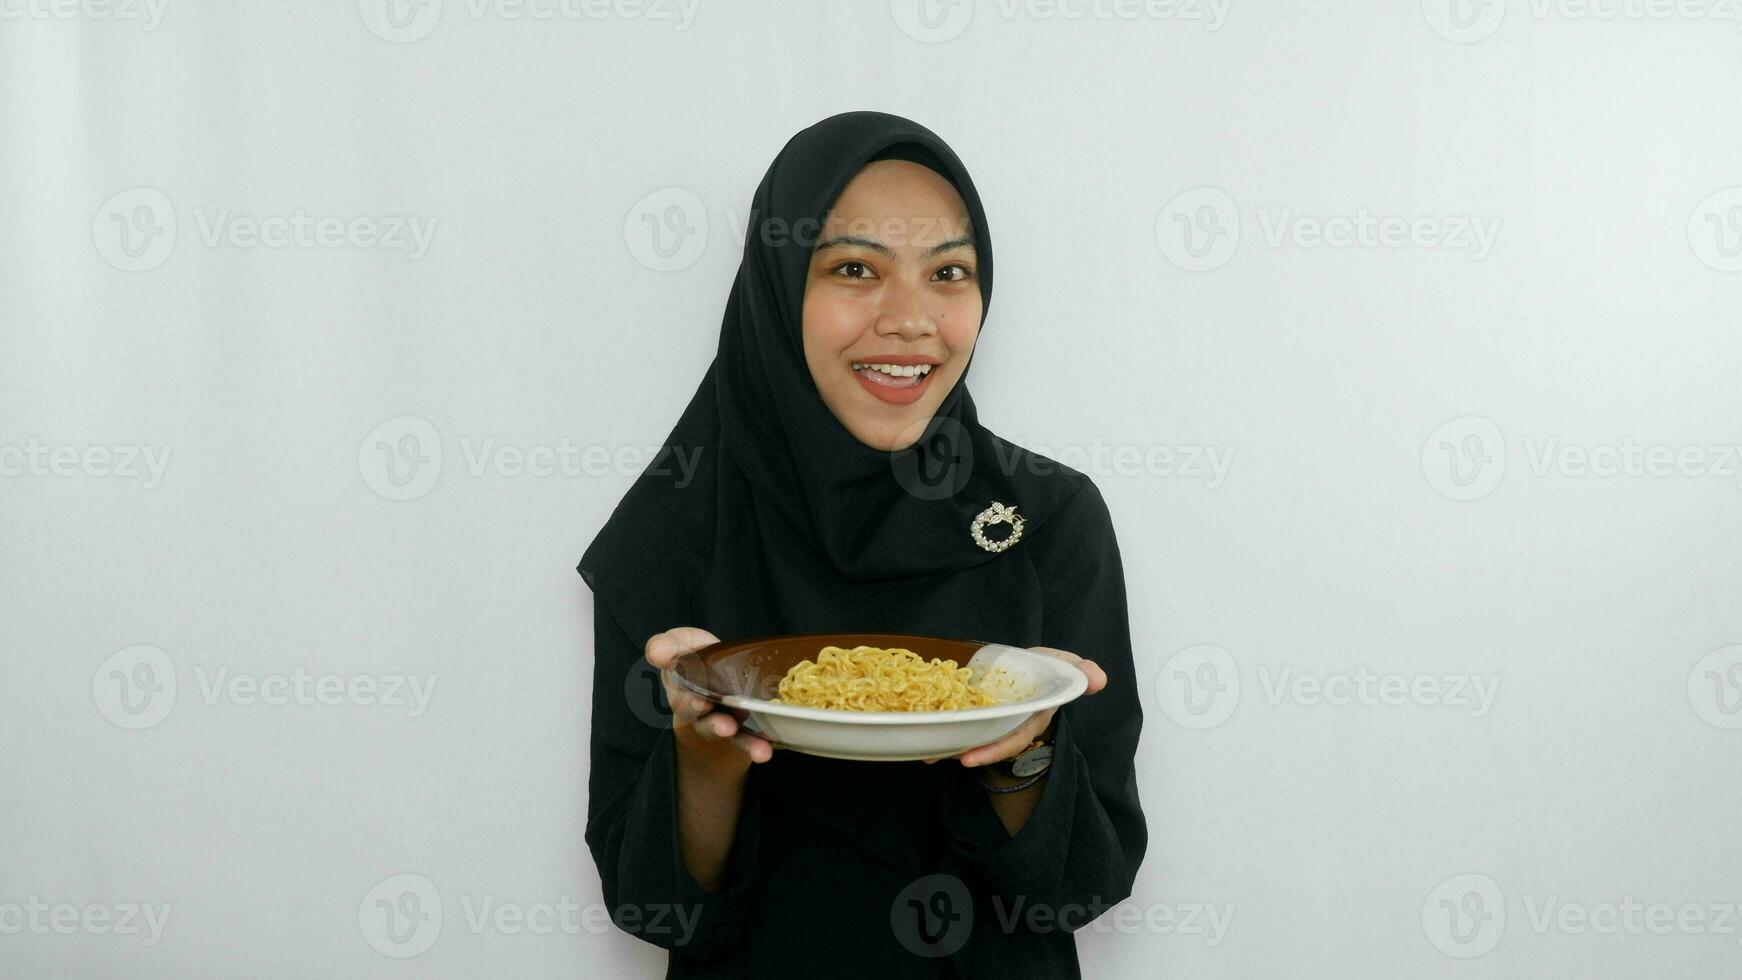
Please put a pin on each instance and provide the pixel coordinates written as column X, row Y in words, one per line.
column 708, row 733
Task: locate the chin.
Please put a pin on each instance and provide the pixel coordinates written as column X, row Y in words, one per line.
column 891, row 438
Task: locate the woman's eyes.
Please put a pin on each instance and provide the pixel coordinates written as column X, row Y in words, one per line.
column 852, row 267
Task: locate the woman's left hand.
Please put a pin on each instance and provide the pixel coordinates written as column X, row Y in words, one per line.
column 1013, row 743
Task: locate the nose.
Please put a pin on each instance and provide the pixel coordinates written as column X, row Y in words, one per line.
column 906, row 312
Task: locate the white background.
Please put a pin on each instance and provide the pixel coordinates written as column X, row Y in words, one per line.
column 1398, row 499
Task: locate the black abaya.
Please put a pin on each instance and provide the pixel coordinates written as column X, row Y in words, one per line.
column 839, row 868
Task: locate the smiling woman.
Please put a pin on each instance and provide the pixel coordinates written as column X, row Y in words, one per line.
column 847, row 486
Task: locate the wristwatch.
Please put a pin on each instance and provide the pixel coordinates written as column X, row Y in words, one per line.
column 1029, row 765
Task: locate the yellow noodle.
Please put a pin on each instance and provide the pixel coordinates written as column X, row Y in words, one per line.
column 877, row 679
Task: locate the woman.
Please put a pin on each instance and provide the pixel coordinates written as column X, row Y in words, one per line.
column 822, row 480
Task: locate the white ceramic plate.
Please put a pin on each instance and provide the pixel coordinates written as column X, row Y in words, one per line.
column 1025, row 681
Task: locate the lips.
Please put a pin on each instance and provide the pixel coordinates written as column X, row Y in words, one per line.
column 895, row 391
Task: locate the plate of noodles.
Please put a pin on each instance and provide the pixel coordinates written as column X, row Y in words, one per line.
column 878, row 696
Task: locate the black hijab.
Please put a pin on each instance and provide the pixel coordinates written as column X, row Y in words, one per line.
column 775, row 518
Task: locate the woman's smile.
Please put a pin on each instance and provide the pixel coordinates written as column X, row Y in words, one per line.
column 896, row 379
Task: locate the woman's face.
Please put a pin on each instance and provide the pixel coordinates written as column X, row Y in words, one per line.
column 893, row 281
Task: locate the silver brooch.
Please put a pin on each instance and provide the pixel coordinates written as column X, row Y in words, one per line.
column 997, row 514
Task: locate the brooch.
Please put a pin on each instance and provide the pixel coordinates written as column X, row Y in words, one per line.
column 996, row 514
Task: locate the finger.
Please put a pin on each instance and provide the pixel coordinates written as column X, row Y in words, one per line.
column 663, row 648
column 715, row 726
column 687, row 707
column 756, row 747
column 1097, row 677
column 1009, row 745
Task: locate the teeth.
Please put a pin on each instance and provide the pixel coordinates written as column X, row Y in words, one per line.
column 897, row 370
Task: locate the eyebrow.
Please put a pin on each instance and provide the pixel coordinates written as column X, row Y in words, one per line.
column 879, row 247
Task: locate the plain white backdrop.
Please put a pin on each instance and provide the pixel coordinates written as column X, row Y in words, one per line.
column 1401, row 339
